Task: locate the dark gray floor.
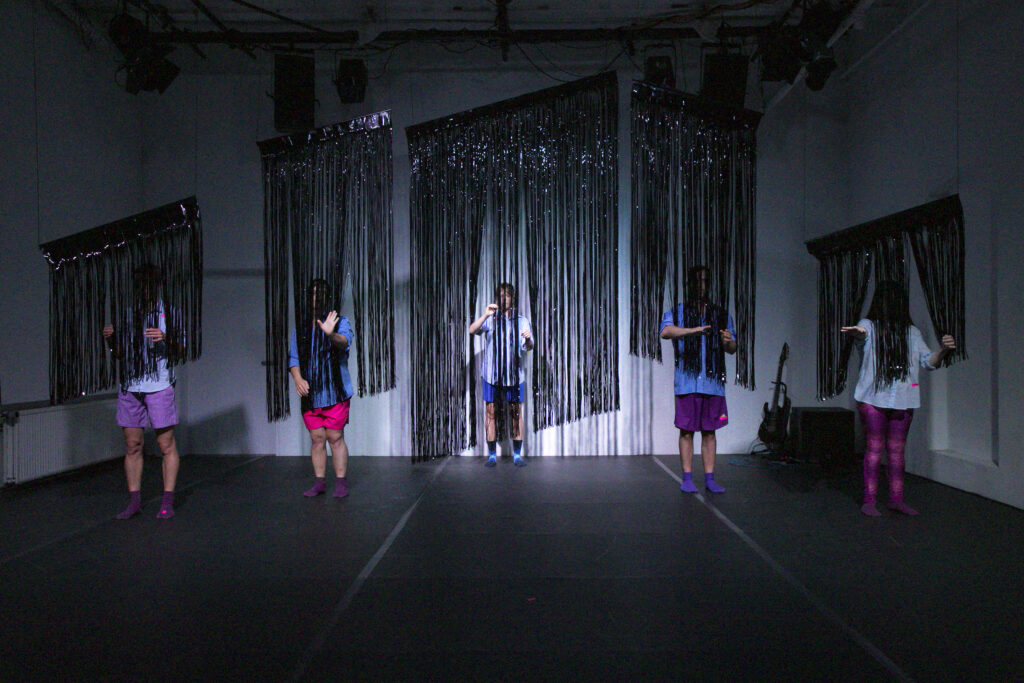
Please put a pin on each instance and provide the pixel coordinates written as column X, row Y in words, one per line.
column 572, row 568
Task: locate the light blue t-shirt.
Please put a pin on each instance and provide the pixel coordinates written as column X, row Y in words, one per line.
column 163, row 377
column 900, row 395
column 510, row 336
column 327, row 396
column 686, row 383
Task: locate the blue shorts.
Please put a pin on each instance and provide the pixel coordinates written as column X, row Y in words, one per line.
column 508, row 394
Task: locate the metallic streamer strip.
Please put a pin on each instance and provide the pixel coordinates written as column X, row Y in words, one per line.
column 693, row 184
column 91, row 285
column 327, row 215
column 522, row 191
column 936, row 235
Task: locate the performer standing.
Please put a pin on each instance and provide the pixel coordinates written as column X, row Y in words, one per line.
column 318, row 363
column 509, row 337
column 701, row 333
column 149, row 398
column 887, row 392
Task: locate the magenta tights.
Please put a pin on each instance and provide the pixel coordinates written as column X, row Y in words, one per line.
column 884, row 430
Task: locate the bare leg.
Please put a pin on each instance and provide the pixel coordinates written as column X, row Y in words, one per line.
column 318, row 451
column 492, row 430
column 515, row 415
column 169, row 450
column 686, row 458
column 133, row 457
column 708, row 450
column 132, row 471
column 492, row 435
column 686, row 450
column 339, row 452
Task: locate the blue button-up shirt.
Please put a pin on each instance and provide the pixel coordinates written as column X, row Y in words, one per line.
column 901, row 395
column 510, row 337
column 686, row 383
column 327, row 396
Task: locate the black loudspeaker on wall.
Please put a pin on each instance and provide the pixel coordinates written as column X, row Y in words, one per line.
column 294, row 93
column 350, row 80
column 822, row 435
column 725, row 79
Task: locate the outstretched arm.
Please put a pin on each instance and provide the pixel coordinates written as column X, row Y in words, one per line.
column 476, row 325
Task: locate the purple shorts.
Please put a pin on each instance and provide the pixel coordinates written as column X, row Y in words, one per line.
column 133, row 409
column 701, row 412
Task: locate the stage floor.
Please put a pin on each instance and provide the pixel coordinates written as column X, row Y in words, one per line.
column 570, row 568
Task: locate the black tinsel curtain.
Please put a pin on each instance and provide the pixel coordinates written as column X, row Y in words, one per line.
column 936, row 234
column 92, row 285
column 845, row 274
column 327, row 215
column 693, row 203
column 523, row 191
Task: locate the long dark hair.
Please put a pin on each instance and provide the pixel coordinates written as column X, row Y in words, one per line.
column 697, row 312
column 318, row 358
column 890, row 315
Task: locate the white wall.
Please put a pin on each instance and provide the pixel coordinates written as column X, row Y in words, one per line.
column 71, row 144
column 904, row 119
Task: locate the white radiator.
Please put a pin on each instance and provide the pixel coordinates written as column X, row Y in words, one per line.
column 42, row 440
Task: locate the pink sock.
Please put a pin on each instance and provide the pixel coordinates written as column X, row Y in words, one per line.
column 166, row 505
column 341, row 488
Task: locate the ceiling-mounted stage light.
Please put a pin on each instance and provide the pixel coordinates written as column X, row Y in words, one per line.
column 782, row 53
column 145, row 62
column 821, row 66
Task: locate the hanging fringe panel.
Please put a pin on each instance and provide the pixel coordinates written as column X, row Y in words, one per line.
column 693, row 188
column 520, row 192
column 936, row 234
column 327, row 217
column 93, row 283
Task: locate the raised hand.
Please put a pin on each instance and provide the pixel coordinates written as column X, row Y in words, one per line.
column 948, row 342
column 108, row 331
column 301, row 387
column 854, row 331
column 526, row 335
column 726, row 336
column 329, row 324
column 491, row 309
column 154, row 334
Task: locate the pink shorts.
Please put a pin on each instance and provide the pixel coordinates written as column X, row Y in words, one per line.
column 330, row 417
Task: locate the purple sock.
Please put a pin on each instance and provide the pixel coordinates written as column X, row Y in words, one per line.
column 166, row 505
column 687, row 485
column 711, row 485
column 134, row 505
column 318, row 488
column 341, row 488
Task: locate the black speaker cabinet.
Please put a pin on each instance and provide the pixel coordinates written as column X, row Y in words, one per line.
column 725, row 79
column 822, row 435
column 294, row 93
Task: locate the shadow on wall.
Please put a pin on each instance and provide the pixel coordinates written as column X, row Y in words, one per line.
column 224, row 433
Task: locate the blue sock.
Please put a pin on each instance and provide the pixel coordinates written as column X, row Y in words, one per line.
column 517, row 448
column 711, row 485
column 687, row 485
column 492, row 454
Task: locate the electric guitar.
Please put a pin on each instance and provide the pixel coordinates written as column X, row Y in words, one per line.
column 775, row 420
